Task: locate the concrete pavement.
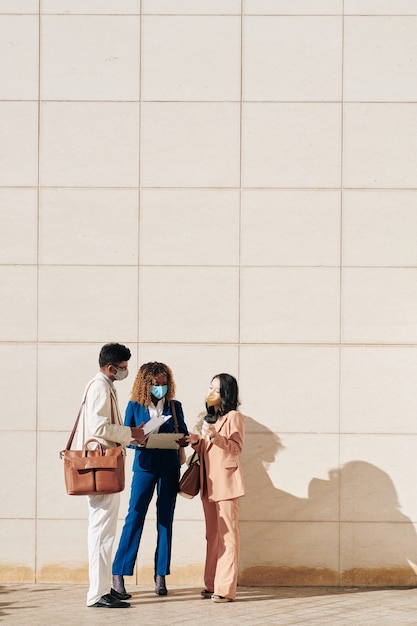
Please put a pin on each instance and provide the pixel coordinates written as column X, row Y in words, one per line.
column 64, row 605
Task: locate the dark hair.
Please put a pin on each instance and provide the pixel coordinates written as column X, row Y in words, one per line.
column 113, row 353
column 229, row 393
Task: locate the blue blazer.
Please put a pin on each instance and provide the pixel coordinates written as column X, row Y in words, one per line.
column 154, row 460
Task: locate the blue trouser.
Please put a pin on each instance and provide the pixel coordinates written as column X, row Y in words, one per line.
column 143, row 487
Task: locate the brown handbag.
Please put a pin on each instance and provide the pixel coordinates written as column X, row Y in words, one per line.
column 190, row 482
column 93, row 472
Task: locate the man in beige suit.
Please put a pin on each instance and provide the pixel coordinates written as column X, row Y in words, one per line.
column 101, row 420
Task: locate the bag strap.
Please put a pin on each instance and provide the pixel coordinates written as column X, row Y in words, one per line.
column 74, row 430
column 174, row 416
column 111, row 408
column 194, row 460
column 113, row 421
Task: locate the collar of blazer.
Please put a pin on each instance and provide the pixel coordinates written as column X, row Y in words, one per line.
column 219, row 425
column 113, row 392
column 114, row 402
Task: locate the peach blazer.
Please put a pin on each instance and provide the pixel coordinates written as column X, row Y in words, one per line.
column 219, row 459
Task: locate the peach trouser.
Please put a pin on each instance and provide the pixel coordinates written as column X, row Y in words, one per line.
column 223, row 546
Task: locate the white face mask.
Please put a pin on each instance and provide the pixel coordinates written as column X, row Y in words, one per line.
column 121, row 374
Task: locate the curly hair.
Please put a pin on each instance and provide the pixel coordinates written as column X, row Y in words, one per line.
column 141, row 390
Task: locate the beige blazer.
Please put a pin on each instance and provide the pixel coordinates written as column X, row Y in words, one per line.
column 219, row 459
column 95, row 418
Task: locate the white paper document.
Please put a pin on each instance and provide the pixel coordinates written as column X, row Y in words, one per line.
column 154, row 424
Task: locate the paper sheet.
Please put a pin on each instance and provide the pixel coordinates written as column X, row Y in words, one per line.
column 155, row 423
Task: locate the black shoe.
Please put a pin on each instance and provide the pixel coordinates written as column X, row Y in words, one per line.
column 160, row 588
column 118, row 590
column 120, row 596
column 108, row 602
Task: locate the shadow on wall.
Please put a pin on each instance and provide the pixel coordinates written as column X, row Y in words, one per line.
column 349, row 531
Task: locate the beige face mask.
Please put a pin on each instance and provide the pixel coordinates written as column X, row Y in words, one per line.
column 212, row 398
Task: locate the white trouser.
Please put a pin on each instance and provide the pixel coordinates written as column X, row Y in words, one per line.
column 102, row 522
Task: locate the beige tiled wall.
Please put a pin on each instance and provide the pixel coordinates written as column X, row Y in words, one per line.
column 223, row 185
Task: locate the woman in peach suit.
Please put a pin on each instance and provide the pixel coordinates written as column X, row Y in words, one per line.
column 219, row 447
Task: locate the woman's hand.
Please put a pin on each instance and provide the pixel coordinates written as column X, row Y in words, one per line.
column 211, row 431
column 192, row 439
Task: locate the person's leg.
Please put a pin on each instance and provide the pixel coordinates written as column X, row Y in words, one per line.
column 212, row 547
column 102, row 522
column 167, row 490
column 143, row 485
column 225, row 581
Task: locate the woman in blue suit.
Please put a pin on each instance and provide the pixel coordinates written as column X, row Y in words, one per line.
column 152, row 396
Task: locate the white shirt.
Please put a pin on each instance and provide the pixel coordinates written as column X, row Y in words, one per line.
column 156, row 411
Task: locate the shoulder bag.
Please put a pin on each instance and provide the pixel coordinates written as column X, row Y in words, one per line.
column 190, row 482
column 93, row 472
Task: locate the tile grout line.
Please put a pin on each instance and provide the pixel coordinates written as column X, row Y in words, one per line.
column 341, row 289
column 139, row 183
column 240, row 195
column 36, row 521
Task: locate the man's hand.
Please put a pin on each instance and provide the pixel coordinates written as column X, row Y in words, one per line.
column 137, row 433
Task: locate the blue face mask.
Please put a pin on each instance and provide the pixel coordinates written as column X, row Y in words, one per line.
column 159, row 391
